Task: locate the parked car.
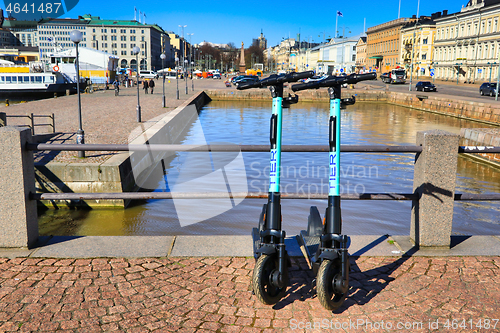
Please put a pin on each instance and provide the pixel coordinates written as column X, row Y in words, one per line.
column 246, row 79
column 148, row 75
column 488, row 89
column 425, row 86
column 237, row 77
column 217, row 76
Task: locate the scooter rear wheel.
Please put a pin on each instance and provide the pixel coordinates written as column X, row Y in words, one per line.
column 329, row 275
column 264, row 289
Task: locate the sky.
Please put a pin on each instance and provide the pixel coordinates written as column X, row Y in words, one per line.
column 241, row 21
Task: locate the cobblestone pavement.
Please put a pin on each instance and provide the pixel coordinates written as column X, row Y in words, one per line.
column 106, row 118
column 213, row 294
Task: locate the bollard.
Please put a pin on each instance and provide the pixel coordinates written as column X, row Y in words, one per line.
column 68, row 92
column 18, row 214
column 7, row 103
column 434, row 181
column 3, row 119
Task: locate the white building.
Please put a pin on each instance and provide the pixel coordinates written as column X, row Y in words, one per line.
column 467, row 42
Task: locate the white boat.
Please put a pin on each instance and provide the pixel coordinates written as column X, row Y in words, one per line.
column 36, row 77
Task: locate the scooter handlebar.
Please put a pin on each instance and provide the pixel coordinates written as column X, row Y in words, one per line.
column 244, row 86
column 334, row 80
column 276, row 79
column 294, row 77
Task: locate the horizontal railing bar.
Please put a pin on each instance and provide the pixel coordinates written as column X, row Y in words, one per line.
column 17, row 116
column 222, row 148
column 478, row 149
column 43, row 124
column 41, row 116
column 215, row 195
column 246, row 148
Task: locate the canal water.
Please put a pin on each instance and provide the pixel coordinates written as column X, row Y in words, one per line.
column 304, row 123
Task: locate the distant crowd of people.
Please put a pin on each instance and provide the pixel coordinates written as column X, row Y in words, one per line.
column 147, row 84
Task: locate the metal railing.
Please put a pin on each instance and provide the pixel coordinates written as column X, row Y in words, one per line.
column 246, row 148
column 32, row 124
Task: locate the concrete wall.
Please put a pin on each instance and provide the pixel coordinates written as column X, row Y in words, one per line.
column 485, row 112
column 482, row 137
column 117, row 173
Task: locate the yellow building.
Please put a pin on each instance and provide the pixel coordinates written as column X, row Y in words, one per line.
column 383, row 44
column 467, row 42
column 361, row 55
column 417, row 41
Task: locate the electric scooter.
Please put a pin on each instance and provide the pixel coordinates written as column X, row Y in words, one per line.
column 323, row 245
column 270, row 275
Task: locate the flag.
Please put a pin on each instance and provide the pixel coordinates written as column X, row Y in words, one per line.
column 339, row 13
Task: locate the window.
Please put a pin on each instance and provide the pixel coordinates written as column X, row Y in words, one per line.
column 124, row 52
column 353, row 57
column 123, row 31
column 124, row 46
column 424, row 41
column 113, row 37
column 424, row 56
column 123, row 38
column 132, row 31
column 132, row 38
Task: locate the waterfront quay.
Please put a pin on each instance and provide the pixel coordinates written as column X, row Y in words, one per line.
column 191, row 283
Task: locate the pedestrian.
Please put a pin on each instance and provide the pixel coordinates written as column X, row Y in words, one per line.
column 116, row 84
column 152, row 85
column 145, row 85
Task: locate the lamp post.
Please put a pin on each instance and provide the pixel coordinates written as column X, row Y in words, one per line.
column 185, row 74
column 177, row 74
column 136, row 51
column 458, row 70
column 163, row 56
column 413, row 47
column 192, row 78
column 76, row 37
column 491, row 68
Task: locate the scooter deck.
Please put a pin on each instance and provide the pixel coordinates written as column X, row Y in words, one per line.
column 311, row 244
column 255, row 241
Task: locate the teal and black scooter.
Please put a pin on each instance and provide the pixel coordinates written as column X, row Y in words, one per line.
column 270, row 275
column 325, row 246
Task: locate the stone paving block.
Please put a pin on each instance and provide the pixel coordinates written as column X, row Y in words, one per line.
column 105, row 246
column 460, row 246
column 212, row 246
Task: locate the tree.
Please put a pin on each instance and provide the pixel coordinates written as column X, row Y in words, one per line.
column 254, row 52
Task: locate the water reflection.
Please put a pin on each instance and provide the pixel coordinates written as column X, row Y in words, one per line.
column 306, row 123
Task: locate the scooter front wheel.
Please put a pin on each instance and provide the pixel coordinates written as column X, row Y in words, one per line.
column 264, row 280
column 330, row 287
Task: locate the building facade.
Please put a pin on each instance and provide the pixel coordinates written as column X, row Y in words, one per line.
column 116, row 37
column 361, row 54
column 383, row 44
column 417, row 46
column 467, row 42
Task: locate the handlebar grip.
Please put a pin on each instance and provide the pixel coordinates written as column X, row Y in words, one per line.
column 363, row 77
column 244, row 86
column 301, row 75
column 304, row 86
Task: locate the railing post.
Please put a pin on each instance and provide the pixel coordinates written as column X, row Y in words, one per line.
column 18, row 214
column 32, row 124
column 434, row 182
column 53, row 124
column 3, row 119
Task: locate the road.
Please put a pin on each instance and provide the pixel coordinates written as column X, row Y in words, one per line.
column 468, row 91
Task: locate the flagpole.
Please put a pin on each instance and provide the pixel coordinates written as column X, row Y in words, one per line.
column 336, row 23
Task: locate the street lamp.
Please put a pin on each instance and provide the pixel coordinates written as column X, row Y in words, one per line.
column 163, row 56
column 136, row 51
column 185, row 74
column 192, row 78
column 413, row 47
column 177, row 74
column 491, row 68
column 76, row 37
